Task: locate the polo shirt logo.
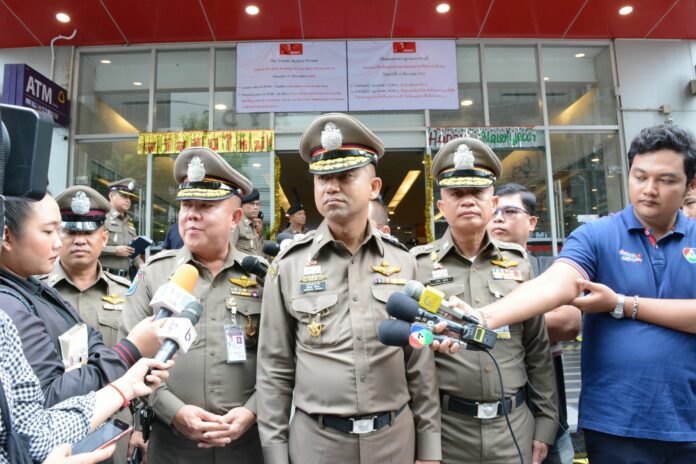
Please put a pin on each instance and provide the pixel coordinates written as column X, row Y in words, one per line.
column 690, row 255
column 630, row 257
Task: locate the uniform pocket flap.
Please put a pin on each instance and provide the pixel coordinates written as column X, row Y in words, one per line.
column 382, row 292
column 315, row 303
column 500, row 288
column 452, row 288
column 109, row 319
column 248, row 306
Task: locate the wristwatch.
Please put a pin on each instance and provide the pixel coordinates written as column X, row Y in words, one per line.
column 618, row 312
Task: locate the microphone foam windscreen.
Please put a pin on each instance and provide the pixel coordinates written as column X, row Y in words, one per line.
column 400, row 306
column 192, row 312
column 394, row 332
column 185, row 277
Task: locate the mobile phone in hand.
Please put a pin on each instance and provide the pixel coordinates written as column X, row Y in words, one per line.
column 104, row 436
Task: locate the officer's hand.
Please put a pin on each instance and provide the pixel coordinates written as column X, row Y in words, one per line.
column 239, row 419
column 144, row 336
column 601, row 298
column 124, row 250
column 63, row 455
column 447, row 346
column 136, row 441
column 193, row 422
column 539, row 451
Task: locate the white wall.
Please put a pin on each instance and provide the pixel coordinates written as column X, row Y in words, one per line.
column 39, row 58
column 653, row 73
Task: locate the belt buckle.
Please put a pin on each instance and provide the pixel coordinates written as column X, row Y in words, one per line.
column 362, row 426
column 487, row 410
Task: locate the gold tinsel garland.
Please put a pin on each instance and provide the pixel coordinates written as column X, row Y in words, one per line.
column 428, row 199
column 276, row 196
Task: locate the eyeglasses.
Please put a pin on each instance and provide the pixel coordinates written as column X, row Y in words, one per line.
column 510, row 212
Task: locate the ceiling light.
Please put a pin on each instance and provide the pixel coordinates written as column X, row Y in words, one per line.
column 252, row 10
column 256, row 165
column 391, row 213
column 626, row 10
column 442, row 8
column 467, row 102
column 403, row 189
column 595, row 160
column 137, row 83
column 579, row 55
column 220, row 106
column 105, row 61
column 398, row 228
column 63, row 18
column 594, row 207
column 547, row 78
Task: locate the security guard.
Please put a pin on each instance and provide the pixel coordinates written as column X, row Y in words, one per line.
column 244, row 235
column 115, row 257
column 357, row 401
column 97, row 296
column 467, row 263
column 206, row 412
column 297, row 218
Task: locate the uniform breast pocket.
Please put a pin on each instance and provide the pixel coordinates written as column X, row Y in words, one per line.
column 108, row 325
column 317, row 321
column 500, row 288
column 249, row 310
column 113, row 233
column 380, row 296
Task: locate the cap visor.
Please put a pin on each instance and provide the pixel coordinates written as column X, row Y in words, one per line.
column 203, row 194
column 465, row 182
column 81, row 226
column 333, row 165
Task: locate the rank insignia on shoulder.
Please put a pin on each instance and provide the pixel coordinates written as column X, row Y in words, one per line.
column 113, row 299
column 388, row 280
column 505, row 262
column 134, row 284
column 244, row 282
column 385, row 269
column 420, row 249
column 272, row 270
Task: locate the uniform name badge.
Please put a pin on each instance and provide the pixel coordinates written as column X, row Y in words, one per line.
column 440, row 276
column 236, row 348
column 503, row 333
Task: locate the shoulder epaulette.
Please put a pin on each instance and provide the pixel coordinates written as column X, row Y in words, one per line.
column 390, row 239
column 119, row 279
column 420, row 249
column 161, row 255
column 510, row 247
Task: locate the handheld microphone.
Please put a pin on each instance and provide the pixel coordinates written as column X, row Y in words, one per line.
column 400, row 306
column 393, row 332
column 178, row 333
column 270, row 248
column 430, row 299
column 172, row 297
column 253, row 265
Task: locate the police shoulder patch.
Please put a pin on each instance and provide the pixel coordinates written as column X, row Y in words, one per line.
column 134, row 285
column 420, row 249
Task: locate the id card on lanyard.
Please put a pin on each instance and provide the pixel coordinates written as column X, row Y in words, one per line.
column 234, row 337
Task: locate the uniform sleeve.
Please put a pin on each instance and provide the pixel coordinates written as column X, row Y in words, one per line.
column 275, row 377
column 234, row 237
column 580, row 251
column 103, row 365
column 541, row 377
column 109, row 250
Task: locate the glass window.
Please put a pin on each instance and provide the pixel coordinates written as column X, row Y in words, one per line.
column 513, row 86
column 99, row 163
column 182, row 90
column 225, row 116
column 579, row 85
column 373, row 119
column 470, row 112
column 113, row 93
column 587, row 178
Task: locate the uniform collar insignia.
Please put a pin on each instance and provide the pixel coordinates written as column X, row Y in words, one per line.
column 385, row 269
column 244, row 282
column 196, row 170
column 80, row 204
column 113, row 299
column 504, row 263
column 331, row 137
column 463, row 157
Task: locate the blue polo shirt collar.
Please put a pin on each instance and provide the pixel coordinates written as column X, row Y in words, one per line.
column 632, row 222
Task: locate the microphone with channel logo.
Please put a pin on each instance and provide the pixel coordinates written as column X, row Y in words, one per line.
column 431, row 299
column 177, row 333
column 394, row 332
column 172, row 297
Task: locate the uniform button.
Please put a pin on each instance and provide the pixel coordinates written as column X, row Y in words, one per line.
column 212, row 353
column 473, row 269
column 212, row 390
column 213, row 317
column 488, row 368
column 355, row 297
column 363, row 378
column 359, row 337
column 477, row 300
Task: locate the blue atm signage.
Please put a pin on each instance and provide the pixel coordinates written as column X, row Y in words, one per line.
column 23, row 86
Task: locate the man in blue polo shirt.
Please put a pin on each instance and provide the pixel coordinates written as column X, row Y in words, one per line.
column 639, row 266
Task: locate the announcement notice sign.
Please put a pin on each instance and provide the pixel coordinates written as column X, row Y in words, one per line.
column 287, row 76
column 402, row 75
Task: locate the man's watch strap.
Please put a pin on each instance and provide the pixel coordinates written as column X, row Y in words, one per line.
column 618, row 312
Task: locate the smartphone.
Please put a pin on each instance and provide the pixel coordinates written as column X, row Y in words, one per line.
column 105, row 435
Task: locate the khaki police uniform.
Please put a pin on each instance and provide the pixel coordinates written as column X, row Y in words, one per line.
column 246, row 238
column 232, row 300
column 522, row 350
column 292, row 210
column 121, row 232
column 357, row 401
column 100, row 305
column 290, row 230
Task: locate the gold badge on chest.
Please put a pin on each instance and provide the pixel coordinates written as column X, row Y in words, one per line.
column 113, row 299
column 315, row 328
column 244, row 282
column 505, row 262
column 385, row 269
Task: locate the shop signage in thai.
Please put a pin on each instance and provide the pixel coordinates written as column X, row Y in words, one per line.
column 164, row 143
column 494, row 137
column 24, row 86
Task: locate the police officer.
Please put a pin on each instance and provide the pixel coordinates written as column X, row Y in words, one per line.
column 244, row 235
column 357, row 401
column 97, row 296
column 115, row 256
column 207, row 411
column 297, row 218
column 467, row 263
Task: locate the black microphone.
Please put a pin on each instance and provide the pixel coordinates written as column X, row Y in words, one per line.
column 270, row 248
column 178, row 332
column 400, row 306
column 252, row 265
column 394, row 332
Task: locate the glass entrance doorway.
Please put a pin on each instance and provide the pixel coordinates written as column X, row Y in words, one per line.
column 403, row 191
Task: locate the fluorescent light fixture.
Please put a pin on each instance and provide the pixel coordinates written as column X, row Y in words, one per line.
column 595, row 160
column 252, row 10
column 594, row 189
column 442, row 8
column 137, row 83
column 105, row 61
column 63, row 18
column 391, row 213
column 403, row 189
column 256, row 165
column 626, row 10
column 547, row 78
column 579, row 55
column 467, row 102
column 220, row 106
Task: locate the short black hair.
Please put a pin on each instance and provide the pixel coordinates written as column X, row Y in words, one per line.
column 17, row 210
column 528, row 198
column 669, row 137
